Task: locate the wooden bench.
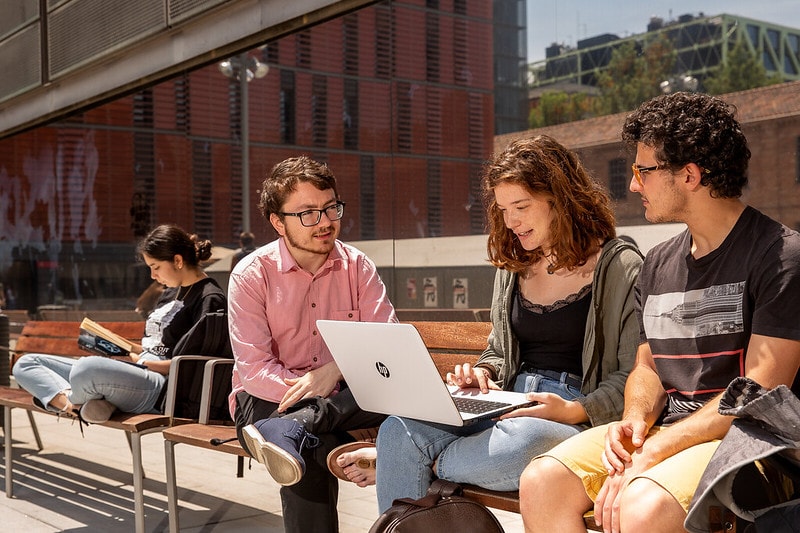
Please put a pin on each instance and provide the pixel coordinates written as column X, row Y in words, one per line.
column 60, row 338
column 450, row 343
column 99, row 315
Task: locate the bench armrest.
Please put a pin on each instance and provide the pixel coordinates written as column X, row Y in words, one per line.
column 178, row 364
column 211, row 375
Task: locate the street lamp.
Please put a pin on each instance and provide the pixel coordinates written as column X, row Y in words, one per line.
column 244, row 69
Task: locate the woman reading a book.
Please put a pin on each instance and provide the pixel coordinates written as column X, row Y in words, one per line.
column 93, row 387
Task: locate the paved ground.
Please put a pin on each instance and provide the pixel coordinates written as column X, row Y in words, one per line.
column 83, row 484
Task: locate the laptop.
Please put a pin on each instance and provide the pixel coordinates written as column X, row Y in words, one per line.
column 390, row 371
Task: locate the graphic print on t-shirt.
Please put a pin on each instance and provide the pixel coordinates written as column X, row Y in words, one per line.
column 715, row 310
column 693, row 318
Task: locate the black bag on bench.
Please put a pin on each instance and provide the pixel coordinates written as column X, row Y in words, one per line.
column 439, row 510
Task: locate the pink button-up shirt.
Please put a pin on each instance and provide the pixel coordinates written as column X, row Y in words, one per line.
column 274, row 305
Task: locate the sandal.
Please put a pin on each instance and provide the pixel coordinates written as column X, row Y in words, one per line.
column 363, row 463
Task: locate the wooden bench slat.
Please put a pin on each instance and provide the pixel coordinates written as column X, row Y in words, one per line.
column 38, row 328
column 200, row 435
column 506, row 501
column 454, row 336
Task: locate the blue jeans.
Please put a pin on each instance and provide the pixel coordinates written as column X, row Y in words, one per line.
column 491, row 454
column 130, row 388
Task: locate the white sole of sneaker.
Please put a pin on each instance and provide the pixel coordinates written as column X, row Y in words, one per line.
column 283, row 468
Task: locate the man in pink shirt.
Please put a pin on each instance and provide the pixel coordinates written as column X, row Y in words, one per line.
column 289, row 402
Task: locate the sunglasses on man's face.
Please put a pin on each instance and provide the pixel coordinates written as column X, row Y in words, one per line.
column 638, row 171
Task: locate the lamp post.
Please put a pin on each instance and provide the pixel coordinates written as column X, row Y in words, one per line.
column 244, row 69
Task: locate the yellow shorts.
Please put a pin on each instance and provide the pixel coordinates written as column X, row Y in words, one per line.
column 679, row 475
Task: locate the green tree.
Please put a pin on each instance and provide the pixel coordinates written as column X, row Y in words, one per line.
column 558, row 107
column 633, row 77
column 741, row 71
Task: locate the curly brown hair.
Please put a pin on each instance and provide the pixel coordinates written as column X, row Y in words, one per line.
column 694, row 128
column 583, row 214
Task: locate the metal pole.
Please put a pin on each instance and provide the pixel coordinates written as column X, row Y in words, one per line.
column 245, row 139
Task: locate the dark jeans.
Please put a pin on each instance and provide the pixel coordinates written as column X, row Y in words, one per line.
column 310, row 505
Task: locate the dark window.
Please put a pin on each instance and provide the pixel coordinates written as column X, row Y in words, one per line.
column 477, row 221
column 269, row 54
column 350, row 114
column 202, row 189
column 366, row 215
column 287, row 107
column 434, row 198
column 303, row 49
column 182, row 117
column 384, row 37
column 433, row 115
column 403, row 102
column 618, row 177
column 319, row 110
column 432, row 51
column 144, row 178
column 350, row 44
column 460, row 65
column 235, row 108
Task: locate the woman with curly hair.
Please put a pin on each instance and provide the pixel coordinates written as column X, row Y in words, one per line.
column 564, row 330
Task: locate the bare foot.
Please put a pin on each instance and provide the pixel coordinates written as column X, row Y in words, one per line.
column 359, row 466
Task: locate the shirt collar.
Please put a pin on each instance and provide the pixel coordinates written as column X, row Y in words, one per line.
column 289, row 264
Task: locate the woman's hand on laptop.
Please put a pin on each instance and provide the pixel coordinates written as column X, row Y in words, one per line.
column 551, row 407
column 468, row 377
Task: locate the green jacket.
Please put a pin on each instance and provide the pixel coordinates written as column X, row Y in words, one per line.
column 610, row 340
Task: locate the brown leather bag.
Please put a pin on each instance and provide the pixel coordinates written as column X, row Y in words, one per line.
column 442, row 509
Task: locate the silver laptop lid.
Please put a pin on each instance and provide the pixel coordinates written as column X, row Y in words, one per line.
column 390, row 371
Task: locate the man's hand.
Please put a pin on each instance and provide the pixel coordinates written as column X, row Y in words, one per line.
column 607, row 504
column 551, row 407
column 622, row 439
column 318, row 382
column 468, row 377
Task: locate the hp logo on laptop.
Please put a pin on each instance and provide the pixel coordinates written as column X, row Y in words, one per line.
column 383, row 370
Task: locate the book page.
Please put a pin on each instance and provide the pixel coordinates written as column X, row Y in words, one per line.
column 94, row 328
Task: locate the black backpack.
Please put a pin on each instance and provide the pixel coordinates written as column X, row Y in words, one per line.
column 208, row 337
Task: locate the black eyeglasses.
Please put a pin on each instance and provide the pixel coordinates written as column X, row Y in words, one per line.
column 311, row 217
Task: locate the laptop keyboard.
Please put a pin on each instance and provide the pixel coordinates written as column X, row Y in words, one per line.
column 476, row 407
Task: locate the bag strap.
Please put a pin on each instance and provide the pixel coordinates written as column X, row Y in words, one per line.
column 438, row 490
column 444, row 488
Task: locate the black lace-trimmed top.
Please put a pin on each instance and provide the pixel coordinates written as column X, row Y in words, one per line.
column 551, row 336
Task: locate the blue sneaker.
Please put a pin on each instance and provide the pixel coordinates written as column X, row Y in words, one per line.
column 277, row 443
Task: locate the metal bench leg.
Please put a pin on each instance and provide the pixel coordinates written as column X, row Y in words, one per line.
column 130, row 445
column 172, row 486
column 8, row 449
column 138, row 481
column 35, row 430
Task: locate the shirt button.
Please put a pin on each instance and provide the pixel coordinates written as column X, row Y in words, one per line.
column 349, row 315
column 314, row 332
column 313, row 305
column 315, row 359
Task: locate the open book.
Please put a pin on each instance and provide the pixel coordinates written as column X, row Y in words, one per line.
column 98, row 340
